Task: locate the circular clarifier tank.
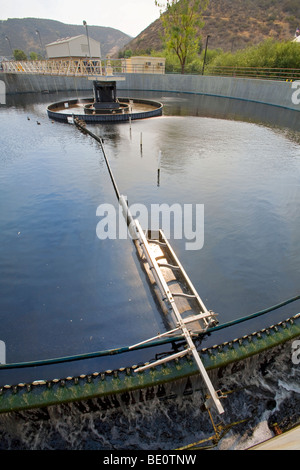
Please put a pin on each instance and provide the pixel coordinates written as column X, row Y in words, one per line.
column 84, row 109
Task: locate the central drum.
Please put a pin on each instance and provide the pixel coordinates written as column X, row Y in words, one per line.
column 105, row 95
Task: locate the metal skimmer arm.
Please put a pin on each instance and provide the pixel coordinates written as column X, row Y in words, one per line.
column 140, row 237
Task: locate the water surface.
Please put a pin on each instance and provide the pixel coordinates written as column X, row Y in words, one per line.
column 65, row 292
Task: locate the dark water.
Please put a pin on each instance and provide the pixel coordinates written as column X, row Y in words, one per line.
column 65, row 292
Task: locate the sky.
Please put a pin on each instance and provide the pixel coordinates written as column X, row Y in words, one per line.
column 129, row 16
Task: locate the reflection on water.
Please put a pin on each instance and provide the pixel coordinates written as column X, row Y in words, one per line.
column 64, row 292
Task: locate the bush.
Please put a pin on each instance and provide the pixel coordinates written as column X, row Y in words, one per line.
column 194, row 64
column 268, row 54
column 19, row 54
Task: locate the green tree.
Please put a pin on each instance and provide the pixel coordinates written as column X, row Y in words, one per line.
column 19, row 54
column 35, row 56
column 182, row 21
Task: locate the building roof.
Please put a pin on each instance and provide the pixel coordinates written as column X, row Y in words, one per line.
column 68, row 39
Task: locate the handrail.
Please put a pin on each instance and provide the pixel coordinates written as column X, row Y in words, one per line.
column 266, row 73
column 81, row 66
column 55, row 67
column 109, row 67
column 165, row 340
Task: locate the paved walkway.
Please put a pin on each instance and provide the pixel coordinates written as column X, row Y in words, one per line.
column 289, row 440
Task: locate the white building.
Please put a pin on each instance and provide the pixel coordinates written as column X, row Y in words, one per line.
column 143, row 64
column 74, row 48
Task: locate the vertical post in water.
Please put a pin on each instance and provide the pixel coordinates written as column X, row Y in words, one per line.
column 141, row 144
column 158, row 167
column 130, row 112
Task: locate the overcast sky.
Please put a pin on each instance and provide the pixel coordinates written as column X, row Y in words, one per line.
column 129, row 16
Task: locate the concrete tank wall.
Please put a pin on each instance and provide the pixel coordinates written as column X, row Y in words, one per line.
column 270, row 92
column 275, row 93
column 27, row 83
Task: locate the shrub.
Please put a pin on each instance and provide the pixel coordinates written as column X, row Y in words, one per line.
column 268, row 54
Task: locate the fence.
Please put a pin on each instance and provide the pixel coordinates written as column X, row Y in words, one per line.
column 83, row 67
column 56, row 67
column 285, row 74
column 106, row 67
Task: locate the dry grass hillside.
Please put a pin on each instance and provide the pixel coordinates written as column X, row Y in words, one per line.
column 234, row 24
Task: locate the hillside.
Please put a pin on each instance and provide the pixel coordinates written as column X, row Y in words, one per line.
column 231, row 24
column 234, row 24
column 22, row 35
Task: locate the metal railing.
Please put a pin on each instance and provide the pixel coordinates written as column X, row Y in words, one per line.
column 54, row 67
column 109, row 67
column 80, row 67
column 286, row 74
